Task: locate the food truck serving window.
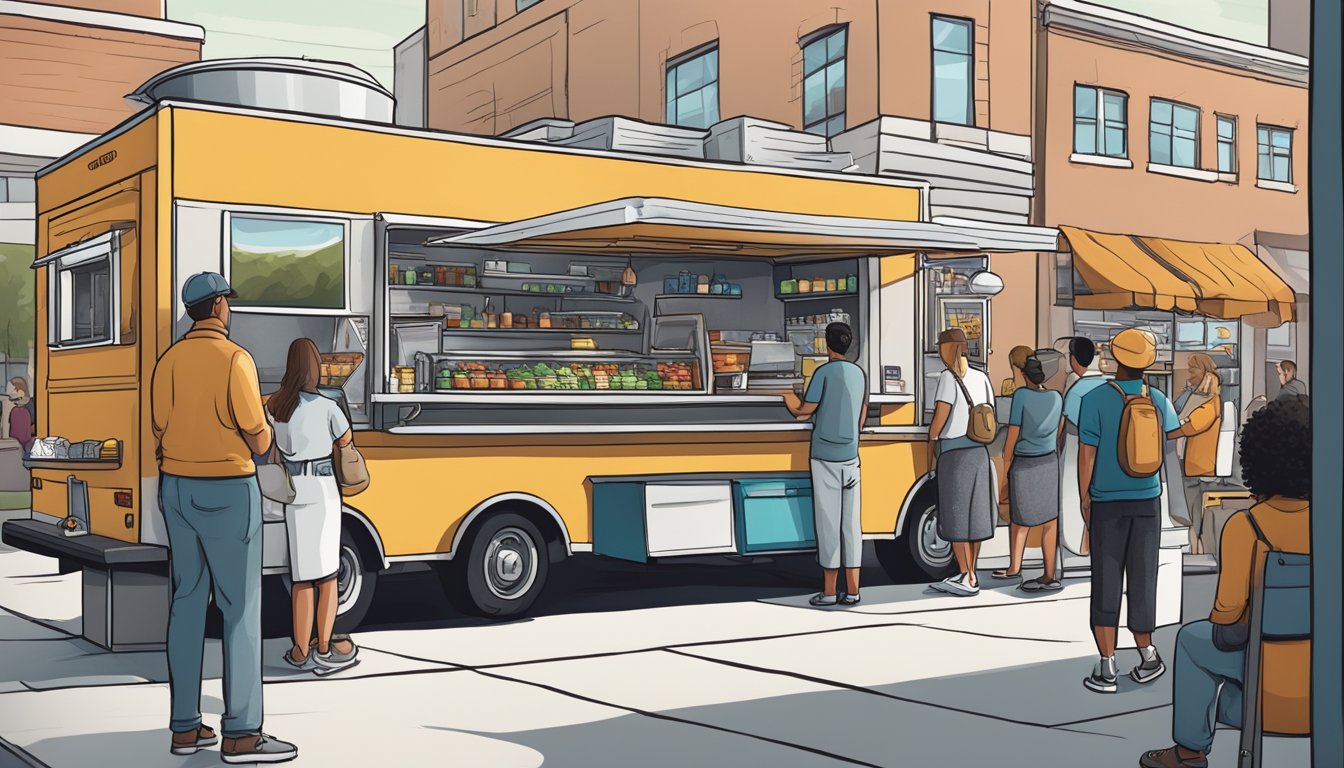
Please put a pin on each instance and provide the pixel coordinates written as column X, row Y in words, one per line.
column 287, row 263
column 84, row 288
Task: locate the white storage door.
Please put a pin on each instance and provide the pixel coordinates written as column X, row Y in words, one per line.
column 687, row 519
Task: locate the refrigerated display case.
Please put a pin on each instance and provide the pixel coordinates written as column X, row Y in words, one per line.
column 577, row 371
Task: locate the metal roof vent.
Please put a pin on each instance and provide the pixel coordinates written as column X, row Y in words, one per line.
column 310, row 86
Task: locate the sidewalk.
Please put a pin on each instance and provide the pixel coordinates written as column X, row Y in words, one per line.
column 906, row 678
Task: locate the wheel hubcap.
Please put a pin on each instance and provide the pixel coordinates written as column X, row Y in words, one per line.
column 935, row 549
column 510, row 563
column 348, row 579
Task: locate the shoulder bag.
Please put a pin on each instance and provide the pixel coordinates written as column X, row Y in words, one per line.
column 352, row 474
column 982, row 424
column 274, row 479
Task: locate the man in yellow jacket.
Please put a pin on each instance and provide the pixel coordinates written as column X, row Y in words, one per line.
column 207, row 416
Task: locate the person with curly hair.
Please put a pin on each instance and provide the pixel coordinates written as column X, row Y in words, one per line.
column 1211, row 654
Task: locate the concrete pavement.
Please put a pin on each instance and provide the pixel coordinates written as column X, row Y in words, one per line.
column 624, row 666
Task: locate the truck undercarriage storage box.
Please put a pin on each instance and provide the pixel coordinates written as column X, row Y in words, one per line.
column 774, row 515
column 128, row 582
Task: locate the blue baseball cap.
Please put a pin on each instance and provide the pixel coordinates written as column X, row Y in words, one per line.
column 204, row 286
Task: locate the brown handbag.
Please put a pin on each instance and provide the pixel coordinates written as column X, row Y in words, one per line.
column 352, row 474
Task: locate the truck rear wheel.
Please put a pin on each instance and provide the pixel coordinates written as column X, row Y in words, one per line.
column 501, row 568
column 918, row 553
column 356, row 579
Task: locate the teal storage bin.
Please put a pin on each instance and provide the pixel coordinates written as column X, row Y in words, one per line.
column 774, row 515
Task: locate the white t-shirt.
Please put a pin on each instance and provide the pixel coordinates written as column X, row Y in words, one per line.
column 948, row 391
column 316, row 423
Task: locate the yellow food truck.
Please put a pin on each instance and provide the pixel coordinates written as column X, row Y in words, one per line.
column 544, row 350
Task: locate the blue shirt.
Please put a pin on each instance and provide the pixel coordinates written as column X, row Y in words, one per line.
column 1035, row 413
column 838, row 388
column 1073, row 398
column 1099, row 426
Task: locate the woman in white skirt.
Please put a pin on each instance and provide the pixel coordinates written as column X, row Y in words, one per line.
column 307, row 427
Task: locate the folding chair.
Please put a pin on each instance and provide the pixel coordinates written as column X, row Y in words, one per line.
column 1280, row 610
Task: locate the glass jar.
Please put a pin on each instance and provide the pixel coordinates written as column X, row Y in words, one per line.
column 441, row 275
column 852, row 283
column 393, row 274
column 408, row 276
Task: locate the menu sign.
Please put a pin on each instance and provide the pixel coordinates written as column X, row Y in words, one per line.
column 969, row 316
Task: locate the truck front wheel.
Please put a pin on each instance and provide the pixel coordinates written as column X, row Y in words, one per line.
column 502, row 568
column 918, row 553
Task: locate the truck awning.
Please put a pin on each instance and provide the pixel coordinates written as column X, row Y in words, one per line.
column 1220, row 280
column 659, row 225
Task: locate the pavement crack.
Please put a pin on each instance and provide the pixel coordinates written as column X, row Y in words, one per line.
column 859, row 689
column 680, row 720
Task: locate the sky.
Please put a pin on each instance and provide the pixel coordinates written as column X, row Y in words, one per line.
column 1246, row 20
column 360, row 32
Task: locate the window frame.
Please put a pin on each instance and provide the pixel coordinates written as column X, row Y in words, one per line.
column 1270, row 129
column 226, row 263
column 105, row 249
column 1100, row 121
column 670, row 98
column 1171, row 136
column 969, row 24
column 1218, row 120
column 823, row 36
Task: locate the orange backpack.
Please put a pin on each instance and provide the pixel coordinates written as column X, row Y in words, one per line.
column 1140, row 440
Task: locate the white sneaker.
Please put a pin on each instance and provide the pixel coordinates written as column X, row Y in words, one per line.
column 962, row 588
column 941, row 586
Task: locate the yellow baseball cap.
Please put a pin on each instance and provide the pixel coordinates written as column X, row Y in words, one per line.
column 1134, row 348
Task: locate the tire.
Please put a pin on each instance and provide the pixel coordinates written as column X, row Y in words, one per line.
column 356, row 581
column 918, row 554
column 500, row 570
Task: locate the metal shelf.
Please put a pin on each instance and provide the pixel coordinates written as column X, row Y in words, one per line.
column 830, row 296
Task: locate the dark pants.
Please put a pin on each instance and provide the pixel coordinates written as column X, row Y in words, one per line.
column 1124, row 539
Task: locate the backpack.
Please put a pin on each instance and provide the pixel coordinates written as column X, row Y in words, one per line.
column 1139, row 443
column 982, row 425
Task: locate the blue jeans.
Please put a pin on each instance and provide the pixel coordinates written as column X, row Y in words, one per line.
column 1206, row 689
column 214, row 537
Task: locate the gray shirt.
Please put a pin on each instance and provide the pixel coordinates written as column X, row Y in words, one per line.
column 1294, row 388
column 838, row 388
column 316, row 423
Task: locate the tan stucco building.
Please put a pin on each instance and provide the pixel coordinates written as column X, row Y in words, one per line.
column 994, row 137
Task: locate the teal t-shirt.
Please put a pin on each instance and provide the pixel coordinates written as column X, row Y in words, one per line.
column 838, row 388
column 1099, row 426
column 1035, row 413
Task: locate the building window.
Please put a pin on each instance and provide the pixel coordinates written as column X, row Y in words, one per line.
column 1227, row 144
column 1274, row 150
column 17, row 189
column 522, row 5
column 83, row 288
column 1173, row 134
column 824, row 84
column 1100, row 122
column 953, row 71
column 693, row 90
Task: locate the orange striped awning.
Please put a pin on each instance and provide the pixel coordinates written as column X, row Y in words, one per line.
column 1119, row 274
column 1221, row 280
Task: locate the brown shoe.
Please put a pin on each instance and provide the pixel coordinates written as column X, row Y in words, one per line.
column 1170, row 758
column 257, row 748
column 190, row 742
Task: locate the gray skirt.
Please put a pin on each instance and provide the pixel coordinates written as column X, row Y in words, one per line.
column 1033, row 489
column 965, row 495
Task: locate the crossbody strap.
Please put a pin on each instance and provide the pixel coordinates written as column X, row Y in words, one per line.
column 1259, row 532
column 965, row 393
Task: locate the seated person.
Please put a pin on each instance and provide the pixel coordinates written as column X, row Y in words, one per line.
column 1211, row 655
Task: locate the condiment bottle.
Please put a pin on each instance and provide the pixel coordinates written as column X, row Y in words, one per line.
column 392, row 274
column 506, row 319
column 488, row 315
